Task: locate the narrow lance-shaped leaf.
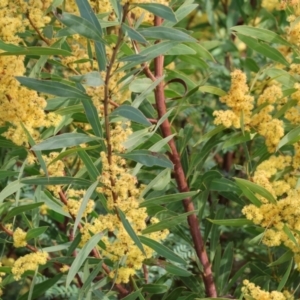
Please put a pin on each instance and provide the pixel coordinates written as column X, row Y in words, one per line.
column 290, row 138
column 20, row 209
column 54, row 181
column 165, row 33
column 37, row 153
column 52, row 87
column 81, row 257
column 159, row 10
column 79, row 25
column 35, row 232
column 130, row 230
column 261, row 33
column 149, row 158
column 64, row 140
column 133, row 34
column 167, row 223
column 36, row 51
column 131, row 113
column 87, row 13
column 263, row 49
column 161, row 250
column 10, row 189
column 167, row 199
column 255, row 188
column 83, row 205
column 231, row 222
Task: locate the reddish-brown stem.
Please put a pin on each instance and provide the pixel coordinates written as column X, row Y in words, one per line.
column 181, row 179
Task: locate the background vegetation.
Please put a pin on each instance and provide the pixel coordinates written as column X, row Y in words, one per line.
column 149, row 149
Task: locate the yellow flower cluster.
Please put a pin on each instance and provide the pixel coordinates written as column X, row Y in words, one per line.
column 28, row 262
column 285, row 213
column 270, row 4
column 123, row 194
column 238, row 101
column 241, row 106
column 73, row 207
column 19, row 103
column 2, row 274
column 19, row 238
column 253, row 292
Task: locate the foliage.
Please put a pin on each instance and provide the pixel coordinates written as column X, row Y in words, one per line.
column 149, row 149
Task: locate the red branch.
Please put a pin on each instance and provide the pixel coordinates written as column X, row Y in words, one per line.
column 181, row 179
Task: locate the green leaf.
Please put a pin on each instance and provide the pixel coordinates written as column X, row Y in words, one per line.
column 79, row 25
column 90, row 166
column 131, row 113
column 11, row 188
column 181, row 49
column 264, row 49
column 83, row 205
column 231, row 222
column 225, row 267
column 175, row 293
column 159, row 10
column 40, row 288
column 177, row 271
column 134, row 295
column 37, row 153
column 139, row 99
column 35, row 232
column 224, row 185
column 290, row 138
column 147, row 54
column 237, row 138
column 20, row 209
column 52, row 87
column 81, row 257
column 201, row 51
column 133, row 34
column 161, row 250
column 167, row 223
column 130, row 230
column 212, row 90
column 290, row 234
column 285, row 277
column 262, row 34
column 90, row 79
column 149, row 158
column 55, row 181
column 166, row 199
column 37, row 51
column 287, row 256
column 165, row 33
column 255, row 188
column 155, row 288
column 162, row 176
column 5, row 174
column 64, row 140
column 281, row 76
column 184, row 10
column 87, row 13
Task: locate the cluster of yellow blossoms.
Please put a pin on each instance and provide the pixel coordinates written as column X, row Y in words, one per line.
column 285, row 213
column 28, row 262
column 19, row 238
column 241, row 110
column 251, row 291
column 119, row 187
column 20, row 104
